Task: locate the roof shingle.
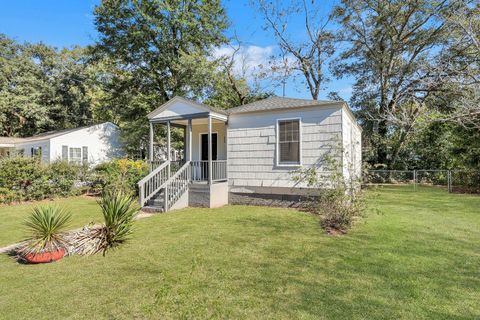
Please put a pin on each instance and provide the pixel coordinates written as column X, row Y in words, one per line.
column 274, row 103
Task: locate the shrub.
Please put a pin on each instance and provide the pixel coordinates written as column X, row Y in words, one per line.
column 337, row 199
column 62, row 177
column 8, row 196
column 19, row 174
column 46, row 224
column 118, row 211
column 122, row 175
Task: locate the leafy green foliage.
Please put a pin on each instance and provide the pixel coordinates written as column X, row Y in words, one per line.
column 336, row 198
column 118, row 210
column 121, row 175
column 30, row 179
column 46, row 224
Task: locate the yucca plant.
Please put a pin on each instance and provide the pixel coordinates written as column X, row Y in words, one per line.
column 46, row 224
column 119, row 210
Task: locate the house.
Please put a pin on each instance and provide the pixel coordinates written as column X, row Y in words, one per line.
column 90, row 144
column 246, row 155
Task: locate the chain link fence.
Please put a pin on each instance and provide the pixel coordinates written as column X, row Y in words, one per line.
column 459, row 181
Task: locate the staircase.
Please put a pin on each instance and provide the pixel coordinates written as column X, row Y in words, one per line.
column 156, row 203
column 164, row 186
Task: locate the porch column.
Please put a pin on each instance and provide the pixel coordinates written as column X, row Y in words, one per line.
column 189, row 140
column 150, row 148
column 209, row 149
column 169, row 153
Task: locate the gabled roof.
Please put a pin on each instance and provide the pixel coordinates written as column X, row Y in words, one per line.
column 170, row 102
column 274, row 103
column 45, row 135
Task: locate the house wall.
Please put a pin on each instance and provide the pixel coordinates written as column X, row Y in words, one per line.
column 252, row 147
column 102, row 141
column 218, row 128
column 27, row 147
column 352, row 154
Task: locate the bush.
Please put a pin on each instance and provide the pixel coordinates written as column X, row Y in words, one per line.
column 46, row 224
column 122, row 175
column 25, row 177
column 118, row 211
column 28, row 179
column 337, row 199
column 62, row 177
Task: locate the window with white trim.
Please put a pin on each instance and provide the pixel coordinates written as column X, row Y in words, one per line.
column 76, row 155
column 288, row 144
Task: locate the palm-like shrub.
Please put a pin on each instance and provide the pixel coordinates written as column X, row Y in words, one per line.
column 46, row 224
column 119, row 210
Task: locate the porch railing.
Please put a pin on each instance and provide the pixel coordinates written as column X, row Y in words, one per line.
column 153, row 182
column 200, row 170
column 176, row 186
column 174, row 165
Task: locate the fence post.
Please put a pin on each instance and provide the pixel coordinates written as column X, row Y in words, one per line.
column 415, row 180
column 449, row 179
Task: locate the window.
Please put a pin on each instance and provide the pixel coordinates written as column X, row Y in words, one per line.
column 76, row 155
column 288, row 145
column 85, row 154
column 65, row 153
column 36, row 152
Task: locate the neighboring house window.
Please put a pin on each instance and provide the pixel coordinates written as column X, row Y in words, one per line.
column 36, row 152
column 65, row 153
column 85, row 154
column 76, row 155
column 288, row 143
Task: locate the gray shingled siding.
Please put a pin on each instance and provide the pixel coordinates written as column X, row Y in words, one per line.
column 252, row 144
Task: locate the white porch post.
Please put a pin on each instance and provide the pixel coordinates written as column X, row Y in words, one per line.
column 209, row 149
column 150, row 148
column 189, row 140
column 169, row 153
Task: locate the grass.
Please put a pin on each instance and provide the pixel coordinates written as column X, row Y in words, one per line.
column 12, row 230
column 418, row 258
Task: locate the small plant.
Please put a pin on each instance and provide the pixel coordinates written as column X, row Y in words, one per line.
column 336, row 198
column 118, row 210
column 46, row 224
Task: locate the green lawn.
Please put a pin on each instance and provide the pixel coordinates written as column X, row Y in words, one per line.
column 417, row 259
column 83, row 209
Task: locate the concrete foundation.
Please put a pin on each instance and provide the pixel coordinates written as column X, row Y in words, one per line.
column 208, row 196
column 268, row 196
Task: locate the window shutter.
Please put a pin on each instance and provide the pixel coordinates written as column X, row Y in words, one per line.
column 65, row 153
column 85, row 154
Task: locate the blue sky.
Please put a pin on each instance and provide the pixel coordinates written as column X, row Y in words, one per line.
column 64, row 23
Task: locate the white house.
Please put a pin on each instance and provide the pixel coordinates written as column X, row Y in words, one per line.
column 247, row 154
column 90, row 144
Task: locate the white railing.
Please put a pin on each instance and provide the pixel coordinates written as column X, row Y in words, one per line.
column 175, row 179
column 177, row 185
column 153, row 182
column 200, row 170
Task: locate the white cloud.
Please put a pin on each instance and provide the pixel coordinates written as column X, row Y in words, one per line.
column 247, row 59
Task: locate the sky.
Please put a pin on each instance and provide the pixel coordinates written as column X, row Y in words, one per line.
column 65, row 23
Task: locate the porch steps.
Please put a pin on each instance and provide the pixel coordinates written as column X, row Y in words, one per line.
column 155, row 204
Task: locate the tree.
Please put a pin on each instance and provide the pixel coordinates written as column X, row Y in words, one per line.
column 394, row 46
column 20, row 90
column 160, row 49
column 309, row 54
column 235, row 84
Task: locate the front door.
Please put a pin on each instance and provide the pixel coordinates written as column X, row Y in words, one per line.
column 204, row 153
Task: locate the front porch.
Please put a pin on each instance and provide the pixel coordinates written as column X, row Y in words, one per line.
column 201, row 158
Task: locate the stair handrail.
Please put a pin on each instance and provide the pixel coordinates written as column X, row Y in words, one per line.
column 180, row 185
column 153, row 182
